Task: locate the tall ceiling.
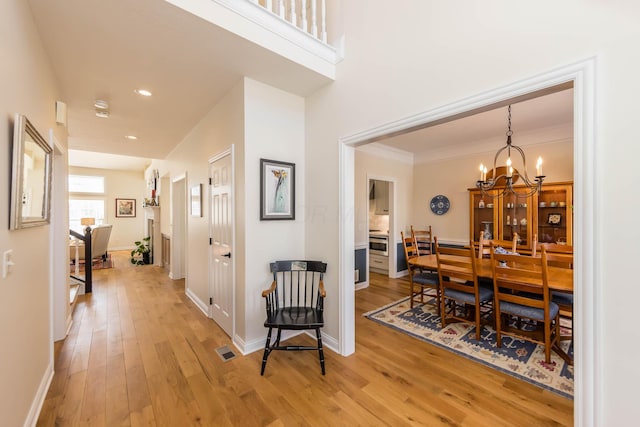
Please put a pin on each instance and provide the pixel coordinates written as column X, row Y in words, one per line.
column 106, row 49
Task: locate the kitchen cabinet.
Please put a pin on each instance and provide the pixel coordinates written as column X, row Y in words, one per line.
column 379, row 263
column 381, row 196
column 547, row 214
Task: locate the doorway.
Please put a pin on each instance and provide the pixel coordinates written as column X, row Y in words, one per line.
column 582, row 76
column 178, row 227
column 221, row 233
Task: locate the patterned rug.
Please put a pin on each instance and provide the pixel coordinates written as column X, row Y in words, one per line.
column 98, row 264
column 519, row 358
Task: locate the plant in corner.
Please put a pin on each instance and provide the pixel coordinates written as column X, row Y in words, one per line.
column 141, row 254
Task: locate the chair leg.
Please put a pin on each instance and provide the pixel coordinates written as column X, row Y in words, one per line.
column 410, row 290
column 320, row 352
column 267, row 350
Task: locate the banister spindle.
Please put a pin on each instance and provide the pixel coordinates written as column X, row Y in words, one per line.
column 281, row 9
column 294, row 15
column 303, row 14
column 269, row 5
column 323, row 24
column 314, row 21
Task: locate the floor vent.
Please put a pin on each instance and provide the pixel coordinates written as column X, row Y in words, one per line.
column 225, row 353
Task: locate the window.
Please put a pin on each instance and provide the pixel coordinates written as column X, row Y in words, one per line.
column 85, row 208
column 86, row 184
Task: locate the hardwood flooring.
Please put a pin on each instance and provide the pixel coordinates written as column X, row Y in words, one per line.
column 140, row 353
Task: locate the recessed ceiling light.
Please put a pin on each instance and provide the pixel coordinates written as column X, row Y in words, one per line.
column 143, row 92
column 103, row 114
column 132, row 137
column 103, row 105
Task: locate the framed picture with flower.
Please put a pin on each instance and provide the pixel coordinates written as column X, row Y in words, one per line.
column 277, row 190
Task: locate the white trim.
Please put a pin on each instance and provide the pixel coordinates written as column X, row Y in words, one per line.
column 204, row 308
column 41, row 395
column 179, row 251
column 386, row 152
column 346, row 294
column 588, row 280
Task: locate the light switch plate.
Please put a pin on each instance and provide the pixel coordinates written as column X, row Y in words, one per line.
column 7, row 262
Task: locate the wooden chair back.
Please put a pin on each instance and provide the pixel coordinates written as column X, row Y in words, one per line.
column 522, row 281
column 410, row 248
column 557, row 255
column 484, row 245
column 424, row 240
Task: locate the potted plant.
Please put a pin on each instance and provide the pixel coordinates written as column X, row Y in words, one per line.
column 141, row 254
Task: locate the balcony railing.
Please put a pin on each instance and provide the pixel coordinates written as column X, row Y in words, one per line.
column 309, row 16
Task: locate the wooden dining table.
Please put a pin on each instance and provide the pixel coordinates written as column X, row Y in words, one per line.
column 559, row 279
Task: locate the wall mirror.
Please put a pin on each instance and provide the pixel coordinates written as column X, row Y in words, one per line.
column 30, row 177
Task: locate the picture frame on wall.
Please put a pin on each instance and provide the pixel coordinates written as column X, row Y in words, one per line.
column 196, row 200
column 125, row 208
column 277, row 190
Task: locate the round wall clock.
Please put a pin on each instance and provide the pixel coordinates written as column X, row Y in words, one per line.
column 440, row 204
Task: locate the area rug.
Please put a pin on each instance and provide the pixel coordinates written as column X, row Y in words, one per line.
column 98, row 264
column 519, row 358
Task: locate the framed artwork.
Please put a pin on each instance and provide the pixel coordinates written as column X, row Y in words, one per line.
column 554, row 219
column 277, row 190
column 125, row 208
column 196, row 200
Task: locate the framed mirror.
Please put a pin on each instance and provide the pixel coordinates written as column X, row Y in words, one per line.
column 30, row 177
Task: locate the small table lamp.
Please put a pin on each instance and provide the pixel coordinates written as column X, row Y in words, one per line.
column 88, row 222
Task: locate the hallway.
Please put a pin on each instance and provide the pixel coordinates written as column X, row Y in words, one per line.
column 140, row 353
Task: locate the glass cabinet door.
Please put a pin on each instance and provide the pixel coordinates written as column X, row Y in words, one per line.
column 515, row 217
column 555, row 214
column 483, row 215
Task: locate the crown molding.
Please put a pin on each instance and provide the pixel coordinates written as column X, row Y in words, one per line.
column 380, row 150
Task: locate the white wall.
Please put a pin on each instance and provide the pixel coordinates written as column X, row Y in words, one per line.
column 430, row 54
column 28, row 87
column 261, row 122
column 119, row 184
column 274, row 130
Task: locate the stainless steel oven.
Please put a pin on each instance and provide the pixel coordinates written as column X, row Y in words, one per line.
column 379, row 244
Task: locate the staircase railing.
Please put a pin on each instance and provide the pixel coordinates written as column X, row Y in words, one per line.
column 88, row 273
column 308, row 15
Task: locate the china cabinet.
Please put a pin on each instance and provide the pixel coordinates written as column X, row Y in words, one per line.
column 547, row 214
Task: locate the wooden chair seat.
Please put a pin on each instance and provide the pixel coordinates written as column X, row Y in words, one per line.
column 295, row 318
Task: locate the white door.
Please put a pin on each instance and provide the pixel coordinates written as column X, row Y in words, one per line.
column 221, row 253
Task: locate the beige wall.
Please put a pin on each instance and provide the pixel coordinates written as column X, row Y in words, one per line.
column 28, row 87
column 119, row 184
column 261, row 122
column 453, row 177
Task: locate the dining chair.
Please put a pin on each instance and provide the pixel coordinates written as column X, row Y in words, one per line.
column 417, row 277
column 295, row 302
column 484, row 245
column 462, row 299
column 424, row 240
column 521, row 289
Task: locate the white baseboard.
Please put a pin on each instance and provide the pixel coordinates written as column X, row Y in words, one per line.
column 362, row 285
column 38, row 400
column 197, row 301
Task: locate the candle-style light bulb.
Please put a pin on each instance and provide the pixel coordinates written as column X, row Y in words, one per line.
column 481, row 169
column 509, row 168
column 484, row 174
column 539, row 167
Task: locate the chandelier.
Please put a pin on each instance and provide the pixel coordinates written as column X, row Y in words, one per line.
column 502, row 178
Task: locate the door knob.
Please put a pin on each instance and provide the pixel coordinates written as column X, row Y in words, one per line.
column 228, row 255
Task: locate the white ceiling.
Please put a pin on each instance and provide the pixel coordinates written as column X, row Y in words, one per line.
column 106, row 49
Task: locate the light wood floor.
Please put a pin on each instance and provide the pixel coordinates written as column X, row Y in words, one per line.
column 140, row 353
